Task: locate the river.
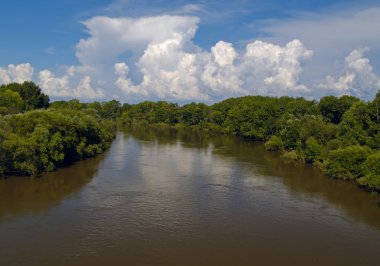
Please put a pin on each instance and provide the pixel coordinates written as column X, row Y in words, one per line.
column 167, row 197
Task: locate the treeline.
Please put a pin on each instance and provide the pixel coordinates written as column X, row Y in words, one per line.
column 16, row 98
column 36, row 136
column 339, row 135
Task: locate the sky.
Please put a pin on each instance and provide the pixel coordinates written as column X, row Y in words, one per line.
column 183, row 51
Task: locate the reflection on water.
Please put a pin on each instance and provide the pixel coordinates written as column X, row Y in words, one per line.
column 23, row 195
column 180, row 197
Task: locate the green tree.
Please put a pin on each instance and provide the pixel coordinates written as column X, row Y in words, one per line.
column 371, row 179
column 348, row 162
column 10, row 102
column 333, row 108
column 31, row 94
column 312, row 150
column 110, row 109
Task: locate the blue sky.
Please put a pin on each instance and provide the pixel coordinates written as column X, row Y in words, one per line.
column 209, row 50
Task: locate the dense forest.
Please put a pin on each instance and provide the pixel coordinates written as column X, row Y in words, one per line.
column 340, row 135
column 36, row 136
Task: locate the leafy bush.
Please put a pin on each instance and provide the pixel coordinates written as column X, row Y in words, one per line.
column 312, row 150
column 42, row 140
column 292, row 156
column 372, row 172
column 347, row 163
column 274, row 144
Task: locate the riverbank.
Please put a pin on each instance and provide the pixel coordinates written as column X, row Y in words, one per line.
column 44, row 140
column 341, row 136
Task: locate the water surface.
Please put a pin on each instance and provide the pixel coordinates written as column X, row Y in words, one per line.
column 164, row 197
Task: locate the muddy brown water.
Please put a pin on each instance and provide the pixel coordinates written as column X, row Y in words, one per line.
column 165, row 197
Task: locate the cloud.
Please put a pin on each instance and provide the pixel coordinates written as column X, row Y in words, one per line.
column 155, row 58
column 330, row 34
column 341, row 30
column 86, row 90
column 358, row 79
column 124, row 83
column 111, row 37
column 275, row 70
column 54, row 86
column 16, row 73
column 168, row 72
column 172, row 67
column 220, row 73
column 62, row 86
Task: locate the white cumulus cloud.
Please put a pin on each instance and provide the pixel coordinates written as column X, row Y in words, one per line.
column 172, row 67
column 275, row 70
column 16, row 73
column 54, row 86
column 111, row 37
column 85, row 90
column 220, row 73
column 63, row 86
column 358, row 79
column 156, row 58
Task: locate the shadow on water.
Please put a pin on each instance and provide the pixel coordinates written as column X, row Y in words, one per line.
column 298, row 179
column 26, row 195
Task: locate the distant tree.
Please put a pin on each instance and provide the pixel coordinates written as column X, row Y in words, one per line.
column 333, row 108
column 31, row 94
column 110, row 109
column 193, row 113
column 75, row 104
column 59, row 105
column 10, row 102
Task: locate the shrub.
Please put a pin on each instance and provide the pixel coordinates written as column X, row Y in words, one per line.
column 292, row 156
column 312, row 150
column 347, row 163
column 372, row 170
column 274, row 144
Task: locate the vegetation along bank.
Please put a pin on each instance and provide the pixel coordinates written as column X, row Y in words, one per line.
column 339, row 135
column 36, row 136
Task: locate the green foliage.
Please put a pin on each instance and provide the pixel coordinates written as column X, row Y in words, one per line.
column 260, row 117
column 10, row 102
column 372, row 172
column 151, row 113
column 337, row 134
column 333, row 108
column 292, row 156
column 360, row 126
column 312, row 150
column 110, row 110
column 274, row 144
column 340, row 134
column 290, row 131
column 42, row 140
column 314, row 126
column 31, row 96
column 193, row 114
column 348, row 162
